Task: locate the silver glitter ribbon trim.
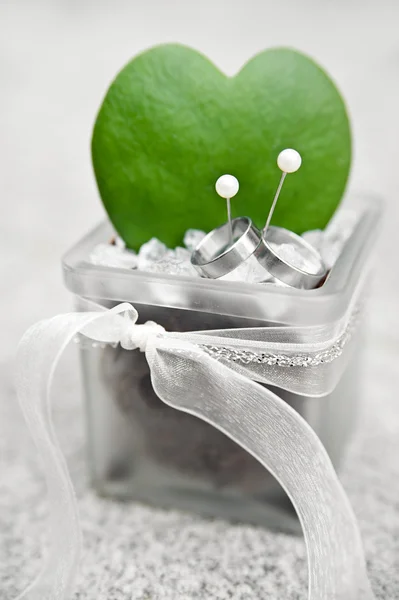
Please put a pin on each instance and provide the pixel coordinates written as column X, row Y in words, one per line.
column 247, row 357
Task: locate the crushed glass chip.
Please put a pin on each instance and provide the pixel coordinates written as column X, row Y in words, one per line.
column 192, row 238
column 110, row 255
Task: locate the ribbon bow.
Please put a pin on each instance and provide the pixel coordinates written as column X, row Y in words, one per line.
column 212, row 375
column 136, row 337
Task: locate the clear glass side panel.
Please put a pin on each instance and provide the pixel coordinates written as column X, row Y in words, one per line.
column 141, row 449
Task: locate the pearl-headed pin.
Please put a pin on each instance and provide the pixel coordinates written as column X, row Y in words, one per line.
column 288, row 161
column 227, row 187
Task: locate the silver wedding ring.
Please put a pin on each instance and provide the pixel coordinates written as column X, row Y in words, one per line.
column 303, row 269
column 282, row 254
column 216, row 256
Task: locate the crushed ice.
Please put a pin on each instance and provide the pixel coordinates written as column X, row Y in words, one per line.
column 155, row 257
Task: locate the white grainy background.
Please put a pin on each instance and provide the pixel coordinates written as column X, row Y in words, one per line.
column 56, row 61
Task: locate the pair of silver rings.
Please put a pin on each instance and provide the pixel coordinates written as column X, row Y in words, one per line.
column 224, row 249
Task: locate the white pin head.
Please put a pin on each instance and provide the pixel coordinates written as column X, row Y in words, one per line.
column 227, row 186
column 289, row 160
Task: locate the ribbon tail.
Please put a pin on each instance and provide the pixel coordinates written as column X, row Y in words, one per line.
column 278, row 437
column 37, row 357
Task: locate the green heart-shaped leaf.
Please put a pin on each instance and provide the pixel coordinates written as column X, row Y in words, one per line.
column 172, row 123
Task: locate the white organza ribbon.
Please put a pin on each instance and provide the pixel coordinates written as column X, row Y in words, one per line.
column 192, row 373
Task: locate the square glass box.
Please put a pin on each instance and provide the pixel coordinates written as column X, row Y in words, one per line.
column 139, row 448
